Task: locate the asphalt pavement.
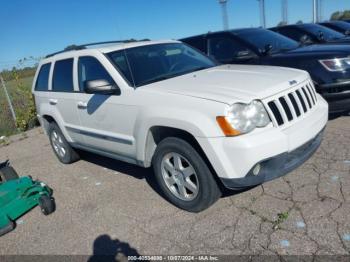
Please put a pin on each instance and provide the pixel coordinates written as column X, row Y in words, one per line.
column 109, row 207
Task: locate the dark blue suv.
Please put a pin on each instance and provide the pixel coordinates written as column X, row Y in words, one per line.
column 328, row 65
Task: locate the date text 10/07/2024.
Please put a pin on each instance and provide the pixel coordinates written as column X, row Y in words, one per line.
column 173, row 258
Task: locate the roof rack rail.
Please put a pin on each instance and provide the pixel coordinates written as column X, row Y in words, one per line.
column 81, row 47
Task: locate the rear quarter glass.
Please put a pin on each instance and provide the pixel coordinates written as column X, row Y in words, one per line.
column 42, row 82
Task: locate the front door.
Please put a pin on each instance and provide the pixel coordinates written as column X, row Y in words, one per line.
column 107, row 121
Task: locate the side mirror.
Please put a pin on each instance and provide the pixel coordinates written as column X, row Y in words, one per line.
column 305, row 39
column 320, row 36
column 100, row 86
column 244, row 55
column 267, row 49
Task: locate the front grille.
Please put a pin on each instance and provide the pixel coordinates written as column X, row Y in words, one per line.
column 292, row 105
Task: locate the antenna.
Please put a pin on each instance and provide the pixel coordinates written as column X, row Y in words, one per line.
column 285, row 11
column 223, row 4
column 262, row 13
column 320, row 11
column 315, row 11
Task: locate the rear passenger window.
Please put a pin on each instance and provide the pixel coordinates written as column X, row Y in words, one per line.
column 63, row 76
column 42, row 82
column 89, row 68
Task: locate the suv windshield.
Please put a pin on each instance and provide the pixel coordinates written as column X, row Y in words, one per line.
column 265, row 39
column 317, row 30
column 151, row 63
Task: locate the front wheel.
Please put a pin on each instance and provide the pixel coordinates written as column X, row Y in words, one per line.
column 183, row 176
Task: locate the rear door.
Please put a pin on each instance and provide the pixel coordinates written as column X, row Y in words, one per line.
column 63, row 99
column 41, row 89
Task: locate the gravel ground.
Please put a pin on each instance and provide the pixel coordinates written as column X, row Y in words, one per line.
column 109, row 207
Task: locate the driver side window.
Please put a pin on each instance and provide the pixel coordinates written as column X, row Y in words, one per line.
column 226, row 49
column 292, row 33
column 89, row 68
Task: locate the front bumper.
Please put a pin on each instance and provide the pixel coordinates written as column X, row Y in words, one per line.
column 337, row 95
column 276, row 166
column 233, row 158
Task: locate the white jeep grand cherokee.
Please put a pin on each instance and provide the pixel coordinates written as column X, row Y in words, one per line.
column 202, row 127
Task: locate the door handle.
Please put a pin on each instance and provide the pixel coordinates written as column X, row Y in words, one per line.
column 82, row 105
column 53, row 101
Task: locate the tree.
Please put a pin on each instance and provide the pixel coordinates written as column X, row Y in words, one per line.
column 340, row 15
column 299, row 22
column 346, row 15
column 336, row 15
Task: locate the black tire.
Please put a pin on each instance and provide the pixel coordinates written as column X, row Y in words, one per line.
column 7, row 174
column 70, row 155
column 47, row 205
column 208, row 190
column 11, row 226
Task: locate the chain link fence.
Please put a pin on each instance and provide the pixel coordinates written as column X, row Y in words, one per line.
column 18, row 96
column 7, row 123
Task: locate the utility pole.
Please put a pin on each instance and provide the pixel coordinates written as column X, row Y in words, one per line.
column 315, row 11
column 8, row 99
column 223, row 4
column 285, row 11
column 320, row 11
column 262, row 13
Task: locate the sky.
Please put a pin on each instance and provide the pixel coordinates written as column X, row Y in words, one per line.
column 39, row 27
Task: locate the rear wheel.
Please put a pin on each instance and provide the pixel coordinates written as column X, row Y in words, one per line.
column 183, row 176
column 62, row 149
column 8, row 228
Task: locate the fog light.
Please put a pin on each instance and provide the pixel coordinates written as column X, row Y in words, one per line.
column 256, row 170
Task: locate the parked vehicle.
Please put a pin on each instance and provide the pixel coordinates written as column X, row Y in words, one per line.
column 163, row 104
column 312, row 34
column 339, row 26
column 328, row 65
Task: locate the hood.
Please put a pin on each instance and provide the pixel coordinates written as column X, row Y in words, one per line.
column 232, row 83
column 345, row 40
column 324, row 49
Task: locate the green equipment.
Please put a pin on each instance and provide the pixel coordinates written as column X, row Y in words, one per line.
column 19, row 195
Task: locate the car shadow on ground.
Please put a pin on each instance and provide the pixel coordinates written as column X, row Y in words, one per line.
column 122, row 168
column 107, row 249
column 333, row 116
column 140, row 173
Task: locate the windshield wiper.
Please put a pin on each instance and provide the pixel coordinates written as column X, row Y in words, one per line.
column 165, row 77
column 155, row 79
column 197, row 69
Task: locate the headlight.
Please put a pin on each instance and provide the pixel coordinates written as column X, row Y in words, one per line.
column 244, row 118
column 336, row 64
